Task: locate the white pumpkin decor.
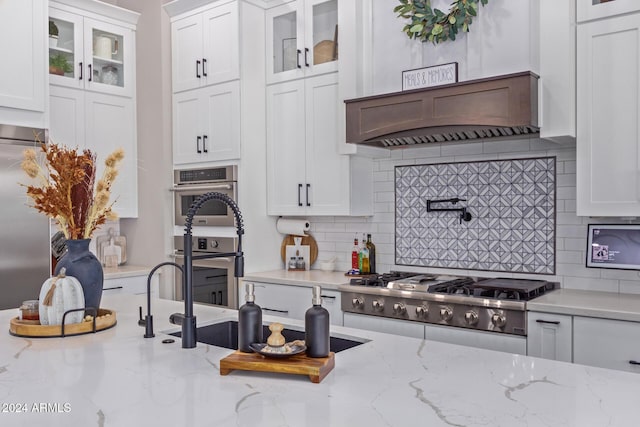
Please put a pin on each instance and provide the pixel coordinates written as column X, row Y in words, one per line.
column 58, row 295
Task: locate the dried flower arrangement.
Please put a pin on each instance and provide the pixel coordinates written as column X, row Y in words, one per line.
column 66, row 190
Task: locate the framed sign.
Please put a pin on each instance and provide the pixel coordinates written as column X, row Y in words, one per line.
column 430, row 76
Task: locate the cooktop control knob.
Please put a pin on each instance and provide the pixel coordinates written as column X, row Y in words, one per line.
column 471, row 317
column 399, row 308
column 214, row 244
column 422, row 311
column 378, row 305
column 498, row 320
column 357, row 302
column 446, row 313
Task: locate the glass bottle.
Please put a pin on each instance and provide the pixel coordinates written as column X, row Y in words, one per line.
column 372, row 254
column 355, row 254
column 316, row 326
column 364, row 256
column 249, row 322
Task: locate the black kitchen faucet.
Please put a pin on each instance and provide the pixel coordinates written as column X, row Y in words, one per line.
column 187, row 320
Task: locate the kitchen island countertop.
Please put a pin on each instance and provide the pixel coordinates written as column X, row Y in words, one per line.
column 117, row 377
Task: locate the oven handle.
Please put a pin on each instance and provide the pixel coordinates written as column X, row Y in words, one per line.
column 223, row 259
column 201, row 187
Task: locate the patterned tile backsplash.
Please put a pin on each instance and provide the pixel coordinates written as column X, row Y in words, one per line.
column 512, row 203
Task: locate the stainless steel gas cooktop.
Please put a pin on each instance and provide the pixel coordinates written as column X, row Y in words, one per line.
column 487, row 304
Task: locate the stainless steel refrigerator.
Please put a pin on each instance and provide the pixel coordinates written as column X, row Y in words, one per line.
column 25, row 254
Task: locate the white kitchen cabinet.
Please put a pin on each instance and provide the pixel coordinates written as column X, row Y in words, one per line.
column 549, row 336
column 292, row 301
column 22, row 43
column 383, row 324
column 608, row 112
column 205, row 47
column 595, row 9
column 99, row 53
column 132, row 285
column 606, row 343
column 301, row 39
column 101, row 123
column 305, row 173
column 207, row 124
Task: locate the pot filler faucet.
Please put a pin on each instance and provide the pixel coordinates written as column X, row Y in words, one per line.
column 187, row 320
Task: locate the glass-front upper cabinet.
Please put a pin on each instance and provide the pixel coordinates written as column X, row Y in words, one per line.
column 302, row 39
column 594, row 9
column 90, row 54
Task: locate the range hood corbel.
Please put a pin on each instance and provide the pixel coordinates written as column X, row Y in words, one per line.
column 497, row 107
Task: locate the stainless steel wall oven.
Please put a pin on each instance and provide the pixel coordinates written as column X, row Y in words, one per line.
column 214, row 280
column 189, row 184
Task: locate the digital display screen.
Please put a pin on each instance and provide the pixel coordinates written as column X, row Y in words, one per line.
column 614, row 246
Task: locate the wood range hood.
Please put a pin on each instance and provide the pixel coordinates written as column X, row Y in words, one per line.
column 495, row 107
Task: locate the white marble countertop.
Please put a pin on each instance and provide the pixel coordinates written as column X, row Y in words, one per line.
column 126, row 270
column 326, row 279
column 606, row 305
column 117, row 377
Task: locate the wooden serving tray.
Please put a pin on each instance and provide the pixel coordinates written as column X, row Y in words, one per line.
column 301, row 364
column 32, row 328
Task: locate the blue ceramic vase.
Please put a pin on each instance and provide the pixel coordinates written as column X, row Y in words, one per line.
column 82, row 264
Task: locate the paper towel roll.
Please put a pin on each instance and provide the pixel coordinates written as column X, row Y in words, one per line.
column 296, row 227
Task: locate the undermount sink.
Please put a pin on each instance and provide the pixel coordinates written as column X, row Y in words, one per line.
column 225, row 334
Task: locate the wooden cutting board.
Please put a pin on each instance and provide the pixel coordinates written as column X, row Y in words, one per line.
column 315, row 368
column 306, row 240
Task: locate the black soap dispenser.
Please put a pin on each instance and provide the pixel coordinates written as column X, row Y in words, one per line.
column 249, row 322
column 316, row 327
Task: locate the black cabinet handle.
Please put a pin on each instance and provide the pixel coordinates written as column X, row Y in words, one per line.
column 306, row 59
column 198, row 144
column 308, row 186
column 634, row 362
column 275, row 311
column 213, row 297
column 298, row 58
column 198, row 68
column 90, row 73
column 114, row 288
column 551, row 322
column 327, row 296
column 80, row 65
column 299, row 188
column 204, row 70
column 220, row 296
column 204, row 143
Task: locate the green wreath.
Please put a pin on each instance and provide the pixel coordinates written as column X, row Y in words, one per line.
column 435, row 25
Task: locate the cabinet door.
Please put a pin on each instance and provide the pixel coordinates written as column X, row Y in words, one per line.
column 478, row 339
column 286, row 182
column 549, row 336
column 134, row 285
column 187, row 132
column 66, row 116
column 109, row 57
column 220, row 118
column 331, row 300
column 66, row 49
column 608, row 83
column 321, row 36
column 110, row 124
column 606, row 343
column 594, row 9
column 381, row 324
column 186, row 50
column 327, row 172
column 285, row 42
column 282, row 300
column 22, row 43
column 221, row 44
